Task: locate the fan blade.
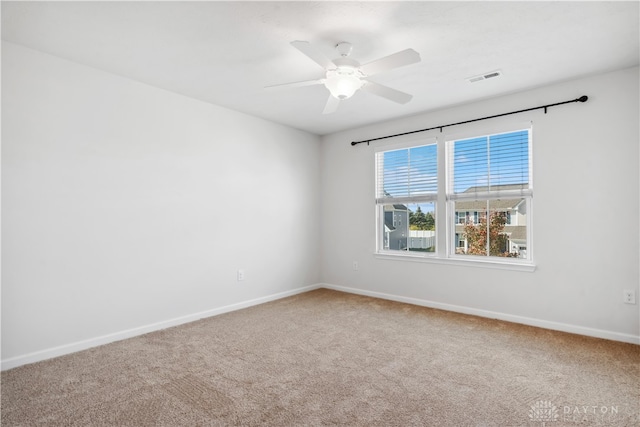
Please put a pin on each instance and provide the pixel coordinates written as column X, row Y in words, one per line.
column 297, row 84
column 314, row 54
column 387, row 92
column 332, row 105
column 396, row 60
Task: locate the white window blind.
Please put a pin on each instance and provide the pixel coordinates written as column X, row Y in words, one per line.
column 490, row 167
column 407, row 175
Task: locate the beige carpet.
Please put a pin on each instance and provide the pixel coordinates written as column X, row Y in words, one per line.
column 329, row 358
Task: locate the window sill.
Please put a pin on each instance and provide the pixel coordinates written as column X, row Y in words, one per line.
column 476, row 262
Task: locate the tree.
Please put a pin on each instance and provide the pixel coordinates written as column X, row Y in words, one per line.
column 417, row 220
column 430, row 221
column 421, row 221
column 477, row 235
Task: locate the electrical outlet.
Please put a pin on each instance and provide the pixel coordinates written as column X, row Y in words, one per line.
column 629, row 296
column 356, row 267
column 240, row 275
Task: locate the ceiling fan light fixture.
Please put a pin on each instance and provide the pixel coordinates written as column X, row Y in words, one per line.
column 345, row 76
column 343, row 82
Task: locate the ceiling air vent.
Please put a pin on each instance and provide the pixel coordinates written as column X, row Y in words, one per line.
column 485, row 76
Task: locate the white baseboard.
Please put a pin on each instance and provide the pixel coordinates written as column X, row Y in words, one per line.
column 129, row 333
column 545, row 324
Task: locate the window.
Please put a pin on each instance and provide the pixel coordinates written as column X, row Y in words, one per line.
column 490, row 175
column 407, row 190
column 467, row 217
column 462, row 217
column 476, row 207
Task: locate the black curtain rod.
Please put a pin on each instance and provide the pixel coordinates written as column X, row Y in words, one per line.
column 583, row 98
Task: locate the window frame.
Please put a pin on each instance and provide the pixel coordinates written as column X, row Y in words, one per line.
column 380, row 212
column 446, row 217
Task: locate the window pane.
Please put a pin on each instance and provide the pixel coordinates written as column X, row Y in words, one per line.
column 470, row 164
column 501, row 233
column 509, row 159
column 409, row 227
column 408, row 172
column 495, row 163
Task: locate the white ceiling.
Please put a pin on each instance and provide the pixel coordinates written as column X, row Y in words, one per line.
column 226, row 52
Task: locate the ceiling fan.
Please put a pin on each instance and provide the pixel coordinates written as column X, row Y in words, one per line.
column 344, row 76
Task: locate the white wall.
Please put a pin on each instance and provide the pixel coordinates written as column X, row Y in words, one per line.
column 586, row 162
column 126, row 206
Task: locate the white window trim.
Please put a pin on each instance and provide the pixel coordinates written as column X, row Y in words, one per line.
column 481, row 263
column 445, row 233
